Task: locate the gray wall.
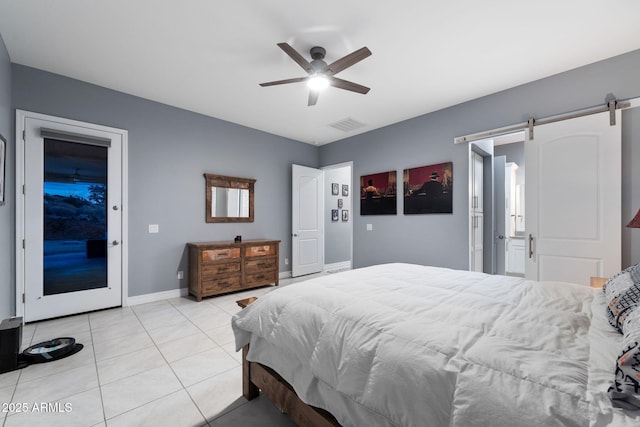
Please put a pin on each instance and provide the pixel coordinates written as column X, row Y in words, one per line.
column 337, row 235
column 7, row 259
column 169, row 150
column 442, row 239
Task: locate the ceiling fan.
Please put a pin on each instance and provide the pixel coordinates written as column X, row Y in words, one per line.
column 322, row 75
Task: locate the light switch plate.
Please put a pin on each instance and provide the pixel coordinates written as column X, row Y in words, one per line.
column 369, row 227
column 154, row 228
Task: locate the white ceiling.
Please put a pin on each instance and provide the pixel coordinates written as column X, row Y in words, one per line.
column 209, row 56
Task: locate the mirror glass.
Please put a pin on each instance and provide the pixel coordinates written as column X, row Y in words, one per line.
column 228, row 199
column 230, row 202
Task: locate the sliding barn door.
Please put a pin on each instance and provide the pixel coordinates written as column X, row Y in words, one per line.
column 573, row 199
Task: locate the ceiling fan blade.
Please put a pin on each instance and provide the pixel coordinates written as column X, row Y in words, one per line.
column 296, row 56
column 281, row 82
column 313, row 97
column 347, row 85
column 349, row 60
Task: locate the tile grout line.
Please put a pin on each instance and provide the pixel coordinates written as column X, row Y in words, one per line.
column 95, row 364
column 169, row 365
column 174, row 372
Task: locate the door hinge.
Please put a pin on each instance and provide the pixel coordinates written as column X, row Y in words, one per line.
column 24, row 135
column 23, row 190
column 22, row 243
column 23, row 298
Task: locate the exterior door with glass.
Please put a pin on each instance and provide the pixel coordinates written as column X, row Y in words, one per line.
column 72, row 217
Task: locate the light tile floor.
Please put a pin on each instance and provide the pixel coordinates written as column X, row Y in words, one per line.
column 167, row 363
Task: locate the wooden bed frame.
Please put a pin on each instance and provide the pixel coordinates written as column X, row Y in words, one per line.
column 257, row 377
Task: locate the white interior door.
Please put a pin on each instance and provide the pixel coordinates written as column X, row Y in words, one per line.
column 500, row 201
column 573, row 199
column 307, row 228
column 72, row 217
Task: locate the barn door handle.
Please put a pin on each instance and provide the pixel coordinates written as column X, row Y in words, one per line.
column 530, row 246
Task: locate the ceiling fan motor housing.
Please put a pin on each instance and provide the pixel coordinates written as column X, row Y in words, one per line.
column 318, row 65
column 317, row 52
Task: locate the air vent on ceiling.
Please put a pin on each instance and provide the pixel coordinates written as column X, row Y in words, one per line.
column 347, row 125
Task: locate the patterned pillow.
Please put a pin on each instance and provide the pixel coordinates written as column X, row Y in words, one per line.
column 625, row 390
column 622, row 293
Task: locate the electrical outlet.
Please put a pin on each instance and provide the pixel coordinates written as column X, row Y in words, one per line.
column 369, row 227
column 286, row 261
column 180, row 275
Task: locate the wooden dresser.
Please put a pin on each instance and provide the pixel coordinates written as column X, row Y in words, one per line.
column 221, row 267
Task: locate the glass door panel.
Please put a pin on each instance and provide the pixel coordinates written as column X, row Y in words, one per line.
column 74, row 217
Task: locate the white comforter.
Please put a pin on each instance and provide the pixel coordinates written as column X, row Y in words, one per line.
column 409, row 345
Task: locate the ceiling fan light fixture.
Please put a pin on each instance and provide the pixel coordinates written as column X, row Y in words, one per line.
column 318, row 82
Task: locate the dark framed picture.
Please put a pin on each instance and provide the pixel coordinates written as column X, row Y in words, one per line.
column 334, row 214
column 345, row 190
column 3, row 162
column 334, row 189
column 378, row 194
column 345, row 215
column 428, row 189
column 339, row 203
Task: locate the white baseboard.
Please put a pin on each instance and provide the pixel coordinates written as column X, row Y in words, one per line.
column 337, row 266
column 156, row 296
column 183, row 292
column 284, row 275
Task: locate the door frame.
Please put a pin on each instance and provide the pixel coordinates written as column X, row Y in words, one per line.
column 89, row 128
column 483, row 148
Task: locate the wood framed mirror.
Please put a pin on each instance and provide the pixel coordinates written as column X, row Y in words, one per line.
column 228, row 198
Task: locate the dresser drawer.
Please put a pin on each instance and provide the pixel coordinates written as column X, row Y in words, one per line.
column 222, row 267
column 260, row 250
column 209, row 255
column 210, row 270
column 220, row 285
column 262, row 278
column 260, row 264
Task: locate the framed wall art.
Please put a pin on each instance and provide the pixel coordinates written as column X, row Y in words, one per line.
column 334, row 214
column 334, row 189
column 378, row 194
column 428, row 189
column 345, row 215
column 345, row 190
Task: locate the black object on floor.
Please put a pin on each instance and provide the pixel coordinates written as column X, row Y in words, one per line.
column 10, row 339
column 48, row 351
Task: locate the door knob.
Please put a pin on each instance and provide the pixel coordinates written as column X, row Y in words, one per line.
column 294, row 235
column 115, row 207
column 115, row 243
column 501, row 237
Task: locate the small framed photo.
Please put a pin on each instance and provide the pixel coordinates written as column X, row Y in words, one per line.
column 345, row 190
column 334, row 214
column 345, row 215
column 339, row 203
column 334, row 189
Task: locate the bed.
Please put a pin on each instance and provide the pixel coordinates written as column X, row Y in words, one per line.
column 411, row 345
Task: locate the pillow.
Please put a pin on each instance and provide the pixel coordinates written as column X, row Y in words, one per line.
column 625, row 391
column 622, row 293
